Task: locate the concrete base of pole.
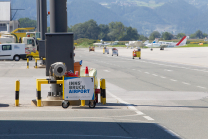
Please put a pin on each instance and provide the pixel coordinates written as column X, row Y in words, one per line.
column 46, row 102
column 40, row 66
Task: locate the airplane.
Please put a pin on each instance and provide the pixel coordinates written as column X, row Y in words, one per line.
column 133, row 44
column 163, row 44
column 102, row 43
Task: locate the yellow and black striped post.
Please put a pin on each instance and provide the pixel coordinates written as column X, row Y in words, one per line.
column 17, row 89
column 36, row 62
column 27, row 63
column 103, row 91
column 39, row 82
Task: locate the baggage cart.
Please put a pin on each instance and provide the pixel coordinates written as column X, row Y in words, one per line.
column 114, row 51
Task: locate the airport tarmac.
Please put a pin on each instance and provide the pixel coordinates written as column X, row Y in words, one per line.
column 155, row 97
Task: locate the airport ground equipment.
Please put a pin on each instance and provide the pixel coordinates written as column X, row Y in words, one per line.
column 201, row 43
column 79, row 88
column 105, row 50
column 91, row 48
column 114, row 51
column 137, row 53
column 7, row 39
column 71, row 86
column 17, row 91
column 19, row 34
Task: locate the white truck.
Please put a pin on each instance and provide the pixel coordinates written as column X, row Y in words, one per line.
column 30, row 43
column 12, row 51
column 7, row 39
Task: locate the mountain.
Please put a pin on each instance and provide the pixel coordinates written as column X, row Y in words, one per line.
column 80, row 11
column 174, row 16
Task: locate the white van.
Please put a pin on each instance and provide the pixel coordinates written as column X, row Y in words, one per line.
column 12, row 51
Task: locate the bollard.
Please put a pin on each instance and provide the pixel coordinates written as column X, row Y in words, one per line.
column 82, row 102
column 17, row 89
column 27, row 63
column 38, row 95
column 103, row 91
column 36, row 62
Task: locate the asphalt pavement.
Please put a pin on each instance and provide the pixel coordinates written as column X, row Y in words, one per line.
column 151, row 98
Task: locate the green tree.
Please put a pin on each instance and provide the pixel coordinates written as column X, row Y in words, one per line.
column 192, row 36
column 154, row 34
column 199, row 34
column 104, row 30
column 143, row 38
column 205, row 35
column 27, row 22
column 69, row 29
column 87, row 29
column 167, row 36
column 181, row 35
column 93, row 30
column 130, row 34
column 79, row 31
column 48, row 29
column 117, row 31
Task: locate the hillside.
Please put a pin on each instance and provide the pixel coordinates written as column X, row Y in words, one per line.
column 80, row 11
column 172, row 15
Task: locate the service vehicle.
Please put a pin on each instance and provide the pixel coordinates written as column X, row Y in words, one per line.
column 12, row 51
column 7, row 39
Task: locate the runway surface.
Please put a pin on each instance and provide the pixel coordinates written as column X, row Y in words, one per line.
column 146, row 98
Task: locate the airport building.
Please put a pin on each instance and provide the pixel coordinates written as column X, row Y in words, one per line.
column 6, row 22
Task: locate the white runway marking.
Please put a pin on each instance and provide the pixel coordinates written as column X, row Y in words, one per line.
column 139, row 112
column 168, row 130
column 201, row 87
column 186, row 83
column 172, row 133
column 130, row 106
column 148, row 118
column 163, row 77
column 177, row 66
column 133, row 69
column 167, row 70
column 154, row 74
column 173, row 80
column 139, row 70
column 147, row 72
column 106, row 70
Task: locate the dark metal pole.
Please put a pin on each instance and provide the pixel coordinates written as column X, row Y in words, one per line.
column 38, row 15
column 58, row 16
column 43, row 18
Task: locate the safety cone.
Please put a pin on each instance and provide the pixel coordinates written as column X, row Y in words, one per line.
column 86, row 72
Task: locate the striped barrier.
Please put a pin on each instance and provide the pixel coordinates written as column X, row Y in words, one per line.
column 17, row 89
column 36, row 61
column 39, row 82
column 103, row 91
column 27, row 63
